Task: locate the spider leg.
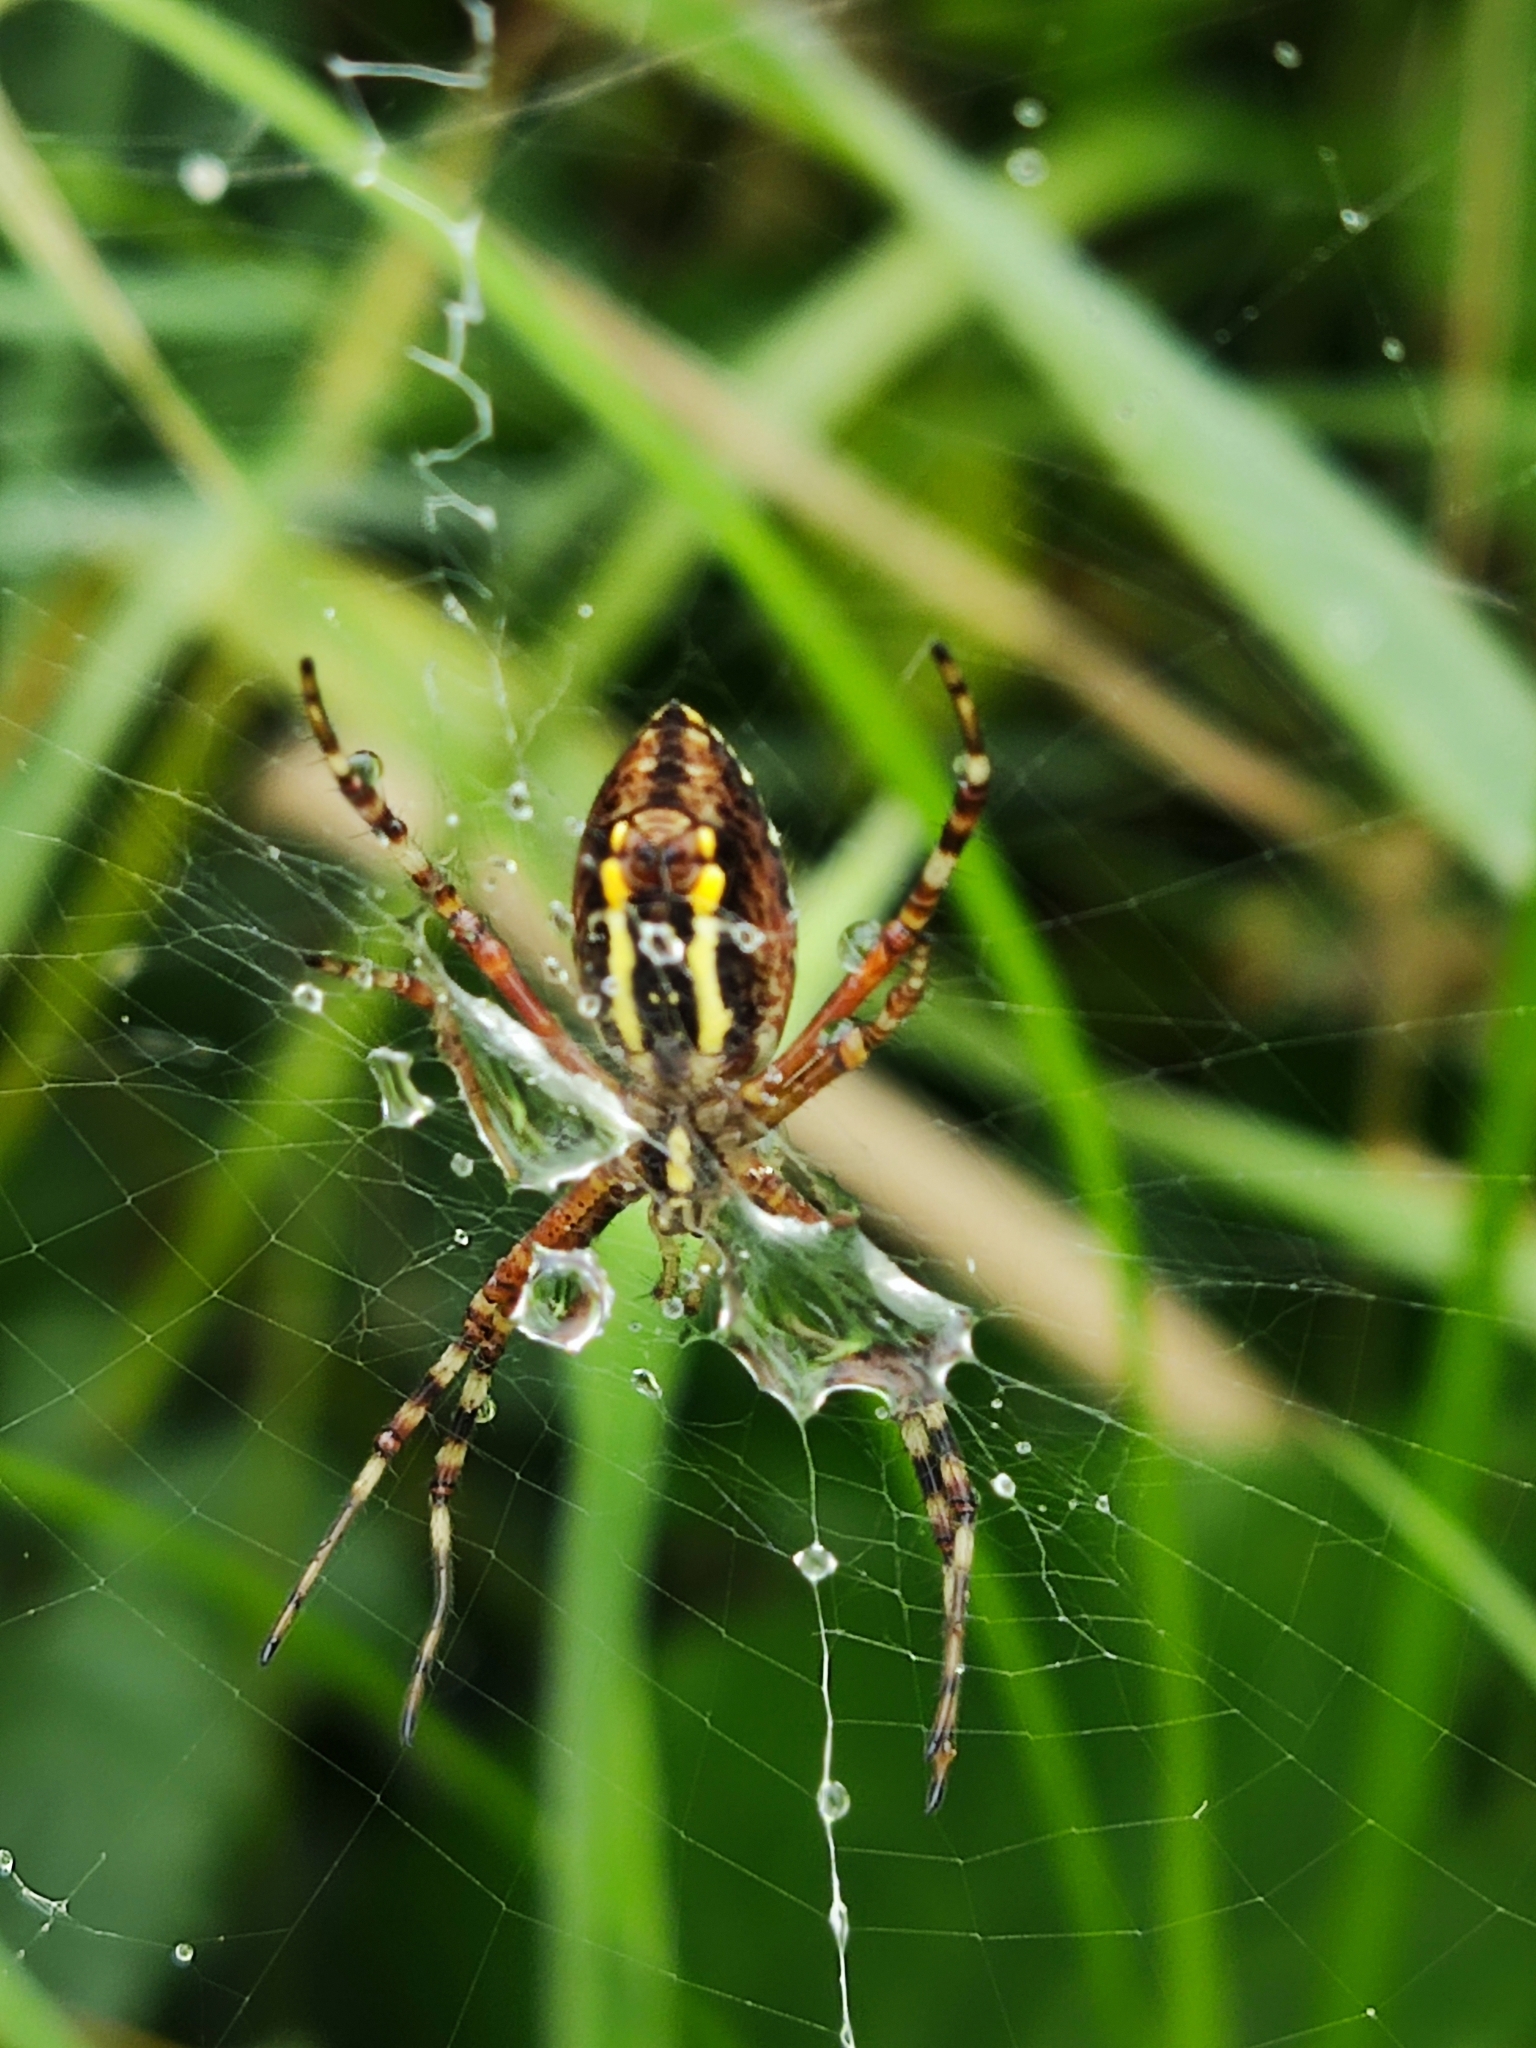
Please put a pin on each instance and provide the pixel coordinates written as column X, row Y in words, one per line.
column 568, row 1225
column 851, row 1044
column 409, row 987
column 387, row 1446
column 901, row 935
column 951, row 1506
column 357, row 777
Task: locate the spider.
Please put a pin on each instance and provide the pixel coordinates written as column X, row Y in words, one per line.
column 685, row 946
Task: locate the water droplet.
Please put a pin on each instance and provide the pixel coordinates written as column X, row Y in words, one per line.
column 461, row 1235
column 7, row 1862
column 855, row 943
column 1023, row 1447
column 1102, row 1504
column 1393, row 349
column 589, row 1006
column 1003, row 1486
column 517, row 803
column 401, row 1103
column 486, row 1412
column 462, row 1165
column 645, row 1382
column 1028, row 167
column 451, row 820
column 832, row 1800
column 996, row 1401
column 1287, row 56
column 1353, row 221
column 561, row 918
column 815, row 1563
column 367, row 766
column 672, row 1308
column 1029, row 113
column 837, row 1920
column 307, row 997
column 567, row 1301
column 182, row 1955
column 203, row 176
column 661, row 944
column 583, row 611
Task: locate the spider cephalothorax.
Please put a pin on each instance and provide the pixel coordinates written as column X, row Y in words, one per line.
column 685, row 945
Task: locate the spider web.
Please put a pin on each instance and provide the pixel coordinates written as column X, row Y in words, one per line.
column 679, row 1725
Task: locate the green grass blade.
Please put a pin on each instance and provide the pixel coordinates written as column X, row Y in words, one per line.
column 322, row 1653
column 1056, row 1777
column 1329, row 575
column 612, row 1962
column 1399, row 1774
column 29, row 2018
column 112, row 689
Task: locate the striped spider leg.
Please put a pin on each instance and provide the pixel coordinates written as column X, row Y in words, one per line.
column 569, row 1225
column 357, row 777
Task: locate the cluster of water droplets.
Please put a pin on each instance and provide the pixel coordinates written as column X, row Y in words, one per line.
column 1030, row 166
column 810, row 1308
column 543, row 1125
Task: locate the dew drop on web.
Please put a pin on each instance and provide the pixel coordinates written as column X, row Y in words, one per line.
column 182, row 1955
column 401, row 1103
column 1003, row 1485
column 815, row 1563
column 832, row 1800
column 1028, row 167
column 567, row 1301
column 646, row 1383
column 203, row 176
column 462, row 1165
column 307, row 997
column 518, row 804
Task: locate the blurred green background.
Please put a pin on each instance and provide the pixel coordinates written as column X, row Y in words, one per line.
column 1172, row 359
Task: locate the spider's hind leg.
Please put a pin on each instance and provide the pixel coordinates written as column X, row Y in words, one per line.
column 951, row 1506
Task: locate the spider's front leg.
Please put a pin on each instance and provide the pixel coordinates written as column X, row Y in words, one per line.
column 814, row 1059
column 569, row 1225
column 363, row 974
column 357, row 777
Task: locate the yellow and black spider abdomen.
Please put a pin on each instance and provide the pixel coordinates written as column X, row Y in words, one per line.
column 685, row 933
